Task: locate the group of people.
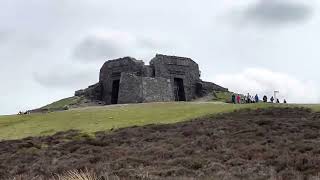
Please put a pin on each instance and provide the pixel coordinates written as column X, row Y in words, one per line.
column 240, row 99
column 24, row 113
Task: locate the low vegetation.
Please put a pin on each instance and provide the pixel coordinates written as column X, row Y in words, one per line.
column 267, row 143
column 80, row 175
column 93, row 119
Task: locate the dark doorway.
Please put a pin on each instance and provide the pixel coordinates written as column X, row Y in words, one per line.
column 115, row 91
column 179, row 90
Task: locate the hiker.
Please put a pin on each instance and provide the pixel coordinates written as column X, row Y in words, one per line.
column 239, row 99
column 252, row 99
column 248, row 98
column 256, row 98
column 233, row 98
column 265, row 99
column 284, row 101
column 271, row 99
column 278, row 101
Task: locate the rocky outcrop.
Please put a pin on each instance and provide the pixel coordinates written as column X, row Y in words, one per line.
column 204, row 88
column 92, row 92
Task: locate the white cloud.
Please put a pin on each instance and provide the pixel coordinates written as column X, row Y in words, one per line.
column 264, row 82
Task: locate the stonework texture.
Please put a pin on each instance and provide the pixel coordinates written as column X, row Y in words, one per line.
column 157, row 90
column 130, row 90
column 167, row 78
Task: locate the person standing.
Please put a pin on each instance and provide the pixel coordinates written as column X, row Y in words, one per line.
column 248, row 98
column 256, row 98
column 233, row 98
column 239, row 99
column 278, row 101
column 265, row 99
column 284, row 101
column 252, row 99
column 272, row 99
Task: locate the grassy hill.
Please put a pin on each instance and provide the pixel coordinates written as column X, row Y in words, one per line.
column 62, row 103
column 93, row 119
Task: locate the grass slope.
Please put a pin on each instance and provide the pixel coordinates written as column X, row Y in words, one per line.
column 93, row 119
column 62, row 103
column 222, row 96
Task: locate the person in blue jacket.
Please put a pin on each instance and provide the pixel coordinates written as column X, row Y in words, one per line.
column 256, row 98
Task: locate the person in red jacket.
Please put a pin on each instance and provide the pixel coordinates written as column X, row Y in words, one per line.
column 238, row 99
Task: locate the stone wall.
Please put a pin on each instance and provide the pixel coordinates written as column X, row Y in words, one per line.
column 112, row 69
column 130, row 89
column 137, row 89
column 157, row 90
column 171, row 67
column 148, row 71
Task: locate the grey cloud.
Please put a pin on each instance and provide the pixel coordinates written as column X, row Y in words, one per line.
column 95, row 48
column 66, row 78
column 276, row 12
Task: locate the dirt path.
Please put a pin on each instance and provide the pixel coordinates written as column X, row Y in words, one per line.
column 240, row 145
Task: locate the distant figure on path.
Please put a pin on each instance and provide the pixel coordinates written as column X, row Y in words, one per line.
column 248, row 98
column 243, row 101
column 239, row 99
column 278, row 101
column 272, row 99
column 252, row 100
column 233, row 98
column 256, row 98
column 265, row 98
column 284, row 101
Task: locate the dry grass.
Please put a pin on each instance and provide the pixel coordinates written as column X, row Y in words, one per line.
column 70, row 175
column 90, row 175
column 78, row 175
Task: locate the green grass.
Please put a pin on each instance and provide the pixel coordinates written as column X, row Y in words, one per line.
column 314, row 107
column 222, row 96
column 62, row 103
column 93, row 119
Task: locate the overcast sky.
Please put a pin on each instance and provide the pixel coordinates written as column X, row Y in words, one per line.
column 50, row 48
